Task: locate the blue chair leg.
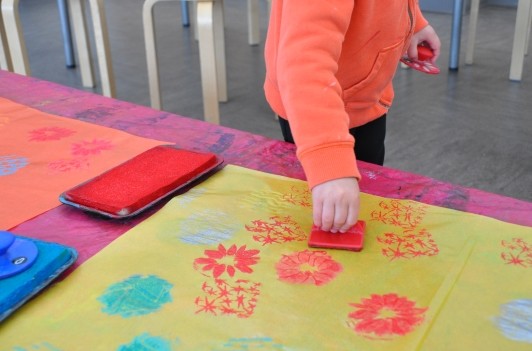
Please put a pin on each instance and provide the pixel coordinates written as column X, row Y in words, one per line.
column 184, row 13
column 456, row 34
column 67, row 34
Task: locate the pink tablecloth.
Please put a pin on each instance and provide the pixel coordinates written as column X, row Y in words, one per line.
column 88, row 234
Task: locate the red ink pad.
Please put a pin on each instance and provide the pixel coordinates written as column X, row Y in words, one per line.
column 352, row 240
column 140, row 182
column 424, row 53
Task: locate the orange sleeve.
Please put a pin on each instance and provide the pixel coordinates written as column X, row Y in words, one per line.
column 421, row 22
column 310, row 44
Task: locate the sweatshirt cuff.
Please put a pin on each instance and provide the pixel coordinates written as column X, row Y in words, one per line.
column 421, row 22
column 328, row 163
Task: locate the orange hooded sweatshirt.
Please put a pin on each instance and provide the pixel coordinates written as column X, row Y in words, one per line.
column 329, row 68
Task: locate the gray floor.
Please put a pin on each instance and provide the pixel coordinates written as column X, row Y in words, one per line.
column 472, row 127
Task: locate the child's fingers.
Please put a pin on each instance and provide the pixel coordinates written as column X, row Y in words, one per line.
column 341, row 213
column 327, row 216
column 352, row 218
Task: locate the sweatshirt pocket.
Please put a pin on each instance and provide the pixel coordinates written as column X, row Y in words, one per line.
column 369, row 90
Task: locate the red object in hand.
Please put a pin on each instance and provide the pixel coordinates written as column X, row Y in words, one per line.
column 424, row 53
column 352, row 240
column 141, row 181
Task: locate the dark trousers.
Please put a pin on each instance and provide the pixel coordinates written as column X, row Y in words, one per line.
column 369, row 139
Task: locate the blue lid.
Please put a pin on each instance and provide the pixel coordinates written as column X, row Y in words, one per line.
column 16, row 254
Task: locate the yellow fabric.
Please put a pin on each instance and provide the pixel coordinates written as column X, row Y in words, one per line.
column 428, row 278
column 42, row 155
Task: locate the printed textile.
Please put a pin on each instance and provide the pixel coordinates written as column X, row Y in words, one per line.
column 226, row 266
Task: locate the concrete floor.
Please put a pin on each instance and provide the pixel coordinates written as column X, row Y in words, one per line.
column 471, row 127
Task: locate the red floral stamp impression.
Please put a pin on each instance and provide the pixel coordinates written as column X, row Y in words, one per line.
column 404, row 214
column 517, row 252
column 308, row 267
column 68, row 165
column 228, row 261
column 298, row 196
column 408, row 245
column 94, row 147
column 276, row 230
column 385, row 316
column 221, row 297
column 50, row 133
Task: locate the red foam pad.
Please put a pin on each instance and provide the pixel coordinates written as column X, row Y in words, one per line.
column 424, row 53
column 422, row 63
column 352, row 240
column 141, row 180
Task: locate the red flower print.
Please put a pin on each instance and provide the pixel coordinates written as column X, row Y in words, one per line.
column 408, row 245
column 94, row 147
column 276, row 230
column 65, row 165
column 50, row 133
column 518, row 253
column 237, row 298
column 404, row 214
column 298, row 196
column 227, row 260
column 307, row 267
column 385, row 316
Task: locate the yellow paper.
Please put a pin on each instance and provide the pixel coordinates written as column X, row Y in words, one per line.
column 226, row 266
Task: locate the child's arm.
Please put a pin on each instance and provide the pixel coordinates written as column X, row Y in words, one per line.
column 336, row 204
column 423, row 32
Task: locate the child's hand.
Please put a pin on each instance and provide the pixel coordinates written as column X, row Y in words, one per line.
column 427, row 36
column 336, row 204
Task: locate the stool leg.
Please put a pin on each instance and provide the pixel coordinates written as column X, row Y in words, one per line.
column 151, row 53
column 219, row 49
column 15, row 38
column 205, row 17
column 193, row 17
column 527, row 40
column 101, row 37
column 81, row 41
column 67, row 35
column 520, row 36
column 5, row 58
column 472, row 32
column 253, row 22
column 184, row 13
